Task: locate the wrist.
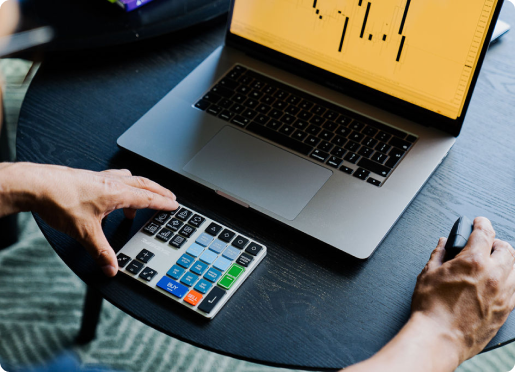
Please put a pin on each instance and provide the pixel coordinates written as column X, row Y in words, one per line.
column 17, row 189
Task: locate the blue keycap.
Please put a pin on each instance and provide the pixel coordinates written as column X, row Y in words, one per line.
column 222, row 263
column 199, row 268
column 172, row 287
column 204, row 239
column 185, row 261
column 231, row 253
column 218, row 246
column 175, row 272
column 208, row 257
column 189, row 279
column 212, row 275
column 195, row 250
column 203, row 286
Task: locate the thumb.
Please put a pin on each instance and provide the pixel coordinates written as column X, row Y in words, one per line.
column 437, row 257
column 99, row 248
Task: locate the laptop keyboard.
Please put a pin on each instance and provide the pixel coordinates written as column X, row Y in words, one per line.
column 308, row 125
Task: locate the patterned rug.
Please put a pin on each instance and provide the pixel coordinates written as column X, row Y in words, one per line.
column 41, row 305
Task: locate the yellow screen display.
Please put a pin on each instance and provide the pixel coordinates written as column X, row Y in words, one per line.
column 421, row 51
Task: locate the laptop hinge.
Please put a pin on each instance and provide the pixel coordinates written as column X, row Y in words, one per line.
column 232, row 198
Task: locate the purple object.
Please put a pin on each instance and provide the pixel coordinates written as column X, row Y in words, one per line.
column 129, row 5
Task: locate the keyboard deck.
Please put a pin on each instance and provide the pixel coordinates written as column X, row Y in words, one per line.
column 321, row 131
column 191, row 259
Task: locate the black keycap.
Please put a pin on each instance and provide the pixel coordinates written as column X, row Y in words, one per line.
column 326, row 135
column 369, row 131
column 187, row 231
column 399, row 143
column 293, row 100
column 249, row 114
column 274, row 124
column 174, row 224
column 214, row 110
column 325, row 146
column 338, row 152
column 411, row 138
column 226, row 235
column 343, row 120
column 222, row 91
column 288, row 119
column 312, row 141
column 361, row 173
column 258, row 85
column 287, row 130
column 212, row 299
column 351, row 157
column 177, row 241
column 268, row 100
column 122, row 259
column 196, row 220
column 212, row 97
column 213, row 229
column 269, row 89
column 246, row 79
column 365, row 152
column 319, row 155
column 240, row 242
column 148, row 274
column 263, row 108
column 299, row 135
column 352, row 146
column 383, row 147
column 228, row 83
column 151, row 228
column 301, row 124
column 382, row 136
column 251, row 103
column 372, row 181
column 243, row 89
column 202, row 104
column 255, row 94
column 237, row 108
column 164, row 235
column 306, row 105
column 374, row 167
column 317, row 120
column 379, row 157
column 334, row 161
column 275, row 114
column 226, row 115
column 313, row 130
column 239, row 98
column 304, row 115
column 184, row 214
column 281, row 94
column 161, row 217
column 280, row 138
column 135, row 267
column 262, row 119
column 356, row 125
column 292, row 110
column 394, row 157
column 254, row 249
column 241, row 121
column 244, row 259
column 339, row 141
column 226, row 103
column 318, row 110
column 330, row 115
column 355, row 136
column 369, row 142
column 343, row 131
column 145, row 256
column 280, row 105
column 346, row 169
column 330, row 125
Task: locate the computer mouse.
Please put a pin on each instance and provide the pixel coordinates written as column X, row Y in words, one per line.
column 458, row 237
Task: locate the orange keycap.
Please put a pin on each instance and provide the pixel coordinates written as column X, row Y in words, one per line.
column 193, row 297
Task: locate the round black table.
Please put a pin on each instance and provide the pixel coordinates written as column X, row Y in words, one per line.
column 307, row 305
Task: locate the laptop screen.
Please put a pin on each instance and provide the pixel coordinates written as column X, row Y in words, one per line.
column 423, row 52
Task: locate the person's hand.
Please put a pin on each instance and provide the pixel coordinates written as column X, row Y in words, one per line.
column 75, row 201
column 9, row 15
column 470, row 296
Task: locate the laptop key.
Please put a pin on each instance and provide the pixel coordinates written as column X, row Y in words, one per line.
column 243, row 89
column 237, row 108
column 383, row 147
column 268, row 100
column 352, row 146
column 343, row 131
column 151, row 228
column 339, row 141
column 356, row 125
column 293, row 100
column 279, row 138
column 306, row 105
column 365, row 152
column 355, row 136
column 326, row 135
column 394, row 157
column 239, row 98
column 174, row 224
column 334, row 161
column 240, row 242
column 369, row 131
column 330, row 115
column 325, row 146
column 255, row 94
column 214, row 110
column 164, row 235
column 280, row 105
column 292, row 110
column 184, row 214
column 317, row 120
column 270, row 89
column 369, row 142
column 318, row 110
column 300, row 124
column 330, row 125
column 276, row 114
column 263, row 108
column 251, row 103
column 221, row 91
column 288, row 119
column 397, row 142
column 343, row 120
column 373, row 181
column 319, row 155
column 212, row 97
column 286, row 130
column 374, row 167
column 274, row 124
column 262, row 119
column 226, row 235
column 313, row 130
column 249, row 114
column 361, row 173
column 313, row 141
column 351, row 157
column 304, row 115
column 299, row 135
column 228, row 83
column 281, row 94
column 241, row 121
column 213, row 229
column 379, row 157
column 203, row 104
column 346, row 169
column 226, row 115
column 225, row 103
column 338, row 152
column 411, row 138
column 382, row 136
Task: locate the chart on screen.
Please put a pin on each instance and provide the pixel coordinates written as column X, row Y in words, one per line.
column 424, row 52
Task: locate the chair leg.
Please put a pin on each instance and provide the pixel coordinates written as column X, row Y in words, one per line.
column 90, row 316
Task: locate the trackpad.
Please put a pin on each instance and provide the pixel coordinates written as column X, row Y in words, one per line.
column 258, row 173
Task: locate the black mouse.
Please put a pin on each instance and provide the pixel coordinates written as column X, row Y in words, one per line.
column 458, row 237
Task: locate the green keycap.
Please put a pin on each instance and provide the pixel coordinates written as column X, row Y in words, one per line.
column 235, row 271
column 226, row 281
column 231, row 276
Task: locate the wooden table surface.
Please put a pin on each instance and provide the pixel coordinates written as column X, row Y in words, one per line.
column 307, row 305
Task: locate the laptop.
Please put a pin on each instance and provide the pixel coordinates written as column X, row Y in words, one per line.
column 328, row 116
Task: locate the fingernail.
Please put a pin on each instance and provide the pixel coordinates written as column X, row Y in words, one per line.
column 109, row 271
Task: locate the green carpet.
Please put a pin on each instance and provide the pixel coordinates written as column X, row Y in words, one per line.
column 41, row 303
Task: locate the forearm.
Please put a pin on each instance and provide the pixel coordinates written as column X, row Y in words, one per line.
column 16, row 188
column 422, row 345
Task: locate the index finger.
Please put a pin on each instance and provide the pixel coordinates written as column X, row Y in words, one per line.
column 136, row 198
column 482, row 238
